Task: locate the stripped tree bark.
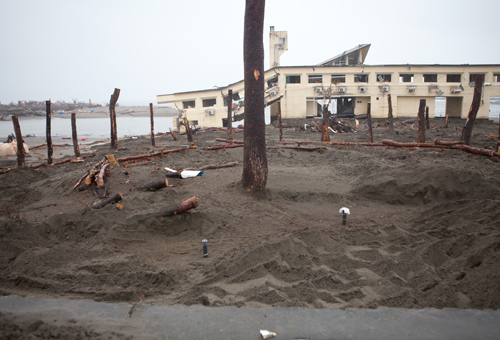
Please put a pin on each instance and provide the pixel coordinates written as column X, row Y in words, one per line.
column 112, row 117
column 47, row 133
column 369, row 122
column 20, row 143
column 421, row 121
column 389, row 115
column 76, row 147
column 254, row 153
column 152, row 125
column 471, row 118
column 230, row 115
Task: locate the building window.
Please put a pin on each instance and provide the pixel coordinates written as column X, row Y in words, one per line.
column 338, row 78
column 406, row 78
column 496, row 77
column 189, row 104
column 381, row 78
column 430, row 78
column 361, row 78
column 314, row 79
column 453, row 78
column 209, row 102
column 293, row 79
column 473, row 76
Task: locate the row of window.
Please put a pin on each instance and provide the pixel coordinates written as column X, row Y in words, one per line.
column 382, row 78
column 209, row 102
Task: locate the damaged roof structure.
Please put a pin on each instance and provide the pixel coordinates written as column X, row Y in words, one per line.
column 349, row 83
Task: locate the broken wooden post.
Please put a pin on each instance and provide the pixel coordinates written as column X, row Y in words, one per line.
column 389, row 115
column 185, row 206
column 471, row 118
column 255, row 169
column 74, row 134
column 153, row 185
column 498, row 143
column 279, row 120
column 172, row 133
column 152, row 125
column 369, row 122
column 230, row 115
column 112, row 117
column 421, row 121
column 20, row 142
column 325, row 136
column 113, row 199
column 47, row 133
column 189, row 133
column 427, row 121
column 446, row 121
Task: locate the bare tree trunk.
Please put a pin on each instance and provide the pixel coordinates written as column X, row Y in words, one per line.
column 369, row 122
column 152, row 125
column 20, row 143
column 112, row 116
column 230, row 114
column 281, row 123
column 471, row 118
column 254, row 152
column 325, row 136
column 74, row 135
column 47, row 133
column 390, row 116
column 421, row 121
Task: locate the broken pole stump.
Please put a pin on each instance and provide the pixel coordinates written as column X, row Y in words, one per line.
column 153, row 185
column 74, row 134
column 421, row 121
column 471, row 117
column 50, row 149
column 113, row 199
column 369, row 122
column 325, row 137
column 189, row 133
column 389, row 115
column 230, row 115
column 20, row 143
column 112, row 117
column 427, row 121
column 172, row 133
column 152, row 125
column 188, row 204
column 280, row 121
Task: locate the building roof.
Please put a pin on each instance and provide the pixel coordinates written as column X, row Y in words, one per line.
column 355, row 51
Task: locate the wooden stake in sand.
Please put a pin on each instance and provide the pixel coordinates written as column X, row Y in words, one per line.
column 421, row 121
column 389, row 115
column 369, row 122
column 20, row 142
column 230, row 115
column 112, row 117
column 471, row 118
column 74, row 134
column 47, row 134
column 152, row 125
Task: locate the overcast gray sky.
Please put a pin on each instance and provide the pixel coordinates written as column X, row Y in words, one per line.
column 64, row 49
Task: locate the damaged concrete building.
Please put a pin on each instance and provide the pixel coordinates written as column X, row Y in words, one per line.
column 347, row 85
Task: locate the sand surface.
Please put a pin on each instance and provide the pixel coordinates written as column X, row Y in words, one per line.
column 424, row 228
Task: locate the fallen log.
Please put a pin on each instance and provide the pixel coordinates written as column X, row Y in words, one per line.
column 476, row 151
column 155, row 154
column 188, row 204
column 229, row 141
column 413, row 145
column 113, row 199
column 218, row 166
column 4, row 171
column 222, row 147
column 440, row 142
column 64, row 161
column 153, row 185
column 298, row 148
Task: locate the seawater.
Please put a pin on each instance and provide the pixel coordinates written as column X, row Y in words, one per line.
column 88, row 127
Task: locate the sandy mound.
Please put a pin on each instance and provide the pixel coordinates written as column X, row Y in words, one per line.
column 424, row 229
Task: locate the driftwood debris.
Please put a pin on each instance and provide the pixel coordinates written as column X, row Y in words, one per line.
column 299, row 148
column 218, row 166
column 155, row 154
column 229, row 141
column 112, row 199
column 153, row 185
column 222, row 147
column 188, row 204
